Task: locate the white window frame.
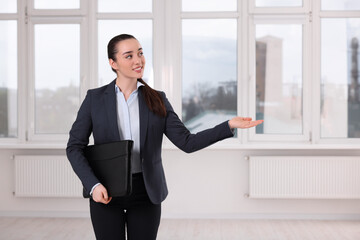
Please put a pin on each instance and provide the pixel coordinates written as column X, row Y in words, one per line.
column 167, row 52
column 316, row 76
column 88, row 59
column 19, row 16
column 57, row 12
column 32, row 135
column 173, row 86
column 305, row 136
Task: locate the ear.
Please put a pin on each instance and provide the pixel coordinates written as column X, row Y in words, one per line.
column 113, row 64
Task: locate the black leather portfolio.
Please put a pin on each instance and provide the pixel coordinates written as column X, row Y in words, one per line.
column 111, row 163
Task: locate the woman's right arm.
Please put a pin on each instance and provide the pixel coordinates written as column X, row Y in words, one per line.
column 78, row 140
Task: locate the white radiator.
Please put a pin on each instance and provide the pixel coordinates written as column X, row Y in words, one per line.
column 45, row 176
column 304, row 177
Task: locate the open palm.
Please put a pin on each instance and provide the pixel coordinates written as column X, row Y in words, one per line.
column 243, row 122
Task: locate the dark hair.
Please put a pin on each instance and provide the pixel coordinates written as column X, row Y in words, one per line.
column 152, row 97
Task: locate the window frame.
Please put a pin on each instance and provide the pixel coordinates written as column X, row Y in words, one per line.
column 167, row 52
column 174, row 49
column 305, row 137
column 19, row 17
column 32, row 135
column 32, row 11
column 316, row 76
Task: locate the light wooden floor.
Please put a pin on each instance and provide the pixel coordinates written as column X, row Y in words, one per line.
column 79, row 229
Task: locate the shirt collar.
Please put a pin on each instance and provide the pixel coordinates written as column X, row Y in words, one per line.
column 138, row 84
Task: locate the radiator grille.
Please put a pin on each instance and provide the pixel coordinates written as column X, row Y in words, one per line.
column 45, row 176
column 304, row 177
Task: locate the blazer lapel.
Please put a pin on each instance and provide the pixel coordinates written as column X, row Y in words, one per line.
column 144, row 116
column 110, row 105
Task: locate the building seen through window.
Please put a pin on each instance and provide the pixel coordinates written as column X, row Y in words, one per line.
column 340, row 93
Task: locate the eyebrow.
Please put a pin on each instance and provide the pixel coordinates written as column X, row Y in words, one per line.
column 131, row 51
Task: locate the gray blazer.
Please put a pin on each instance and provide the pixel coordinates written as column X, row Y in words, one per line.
column 98, row 115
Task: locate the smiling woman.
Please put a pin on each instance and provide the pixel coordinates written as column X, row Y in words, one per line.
column 143, row 29
column 128, row 109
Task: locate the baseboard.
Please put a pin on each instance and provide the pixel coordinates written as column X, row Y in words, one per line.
column 347, row 217
column 46, row 214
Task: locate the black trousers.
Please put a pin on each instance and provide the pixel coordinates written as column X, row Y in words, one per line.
column 135, row 215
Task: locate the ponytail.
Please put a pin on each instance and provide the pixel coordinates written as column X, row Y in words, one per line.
column 153, row 100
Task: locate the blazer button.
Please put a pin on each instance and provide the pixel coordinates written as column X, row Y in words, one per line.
column 142, row 160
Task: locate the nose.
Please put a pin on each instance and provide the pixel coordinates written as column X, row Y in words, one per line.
column 137, row 60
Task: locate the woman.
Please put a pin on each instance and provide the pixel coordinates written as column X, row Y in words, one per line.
column 128, row 108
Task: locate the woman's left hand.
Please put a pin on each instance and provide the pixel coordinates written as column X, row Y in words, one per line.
column 243, row 122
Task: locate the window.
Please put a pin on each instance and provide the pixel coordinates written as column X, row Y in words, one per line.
column 352, row 5
column 57, row 77
column 209, row 65
column 59, row 59
column 8, row 79
column 124, row 6
column 63, row 4
column 209, row 70
column 279, row 80
column 340, row 85
column 209, row 5
column 8, row 70
column 56, row 63
column 279, row 73
column 293, row 63
column 8, row 6
column 279, row 3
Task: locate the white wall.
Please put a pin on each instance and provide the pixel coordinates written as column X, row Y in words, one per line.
column 207, row 184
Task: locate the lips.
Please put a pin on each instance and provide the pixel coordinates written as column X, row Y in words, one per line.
column 138, row 69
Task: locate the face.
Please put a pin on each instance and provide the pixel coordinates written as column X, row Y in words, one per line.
column 130, row 61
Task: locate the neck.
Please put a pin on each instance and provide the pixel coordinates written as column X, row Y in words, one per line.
column 127, row 86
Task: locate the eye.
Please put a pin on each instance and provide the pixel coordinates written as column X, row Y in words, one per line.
column 128, row 57
column 141, row 54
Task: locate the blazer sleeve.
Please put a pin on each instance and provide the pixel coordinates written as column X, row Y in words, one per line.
column 179, row 135
column 78, row 140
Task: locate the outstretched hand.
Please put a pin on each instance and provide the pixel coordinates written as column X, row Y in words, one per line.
column 243, row 122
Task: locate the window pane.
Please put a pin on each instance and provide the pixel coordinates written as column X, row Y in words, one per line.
column 278, row 3
column 51, row 4
column 340, row 5
column 57, row 77
column 279, row 78
column 124, row 6
column 340, row 86
column 8, row 6
column 8, row 79
column 141, row 29
column 209, row 85
column 209, row 5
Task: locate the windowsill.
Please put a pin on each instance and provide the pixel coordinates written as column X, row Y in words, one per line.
column 279, row 146
column 218, row 146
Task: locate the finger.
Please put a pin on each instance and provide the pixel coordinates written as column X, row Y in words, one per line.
column 105, row 194
column 255, row 123
column 104, row 201
column 109, row 199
